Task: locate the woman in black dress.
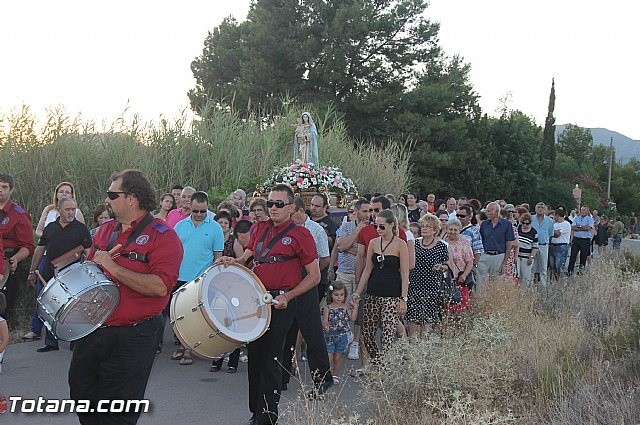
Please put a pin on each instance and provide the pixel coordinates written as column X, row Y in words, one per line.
column 426, row 300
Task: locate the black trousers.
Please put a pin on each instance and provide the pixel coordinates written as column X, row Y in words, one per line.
column 309, row 322
column 582, row 246
column 11, row 293
column 234, row 358
column 113, row 363
column 265, row 367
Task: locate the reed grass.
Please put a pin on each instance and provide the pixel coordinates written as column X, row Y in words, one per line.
column 220, row 153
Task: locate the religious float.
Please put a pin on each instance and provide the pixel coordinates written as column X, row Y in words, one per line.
column 305, row 177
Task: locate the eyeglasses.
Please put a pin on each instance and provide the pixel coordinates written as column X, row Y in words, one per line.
column 461, row 215
column 427, row 226
column 277, row 204
column 379, row 226
column 257, row 210
column 114, row 195
column 526, row 222
column 198, row 211
column 350, row 211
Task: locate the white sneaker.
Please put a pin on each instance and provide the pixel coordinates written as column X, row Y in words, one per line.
column 354, row 351
column 243, row 358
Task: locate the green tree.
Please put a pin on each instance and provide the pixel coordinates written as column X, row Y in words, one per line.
column 576, row 142
column 356, row 54
column 548, row 146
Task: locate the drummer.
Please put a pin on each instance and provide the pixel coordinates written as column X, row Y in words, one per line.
column 17, row 237
column 58, row 238
column 114, row 362
column 280, row 249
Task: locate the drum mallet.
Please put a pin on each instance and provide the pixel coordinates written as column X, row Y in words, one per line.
column 44, row 282
column 267, row 298
column 115, row 249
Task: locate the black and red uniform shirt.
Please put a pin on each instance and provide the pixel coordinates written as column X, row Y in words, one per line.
column 297, row 242
column 163, row 251
column 15, row 228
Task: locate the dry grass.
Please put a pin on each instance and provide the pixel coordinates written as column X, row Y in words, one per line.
column 565, row 355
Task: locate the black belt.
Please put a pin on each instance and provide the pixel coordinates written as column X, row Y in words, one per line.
column 276, row 259
column 583, row 239
column 134, row 256
column 558, row 244
column 275, row 292
column 541, row 244
column 493, row 252
column 134, row 324
column 10, row 252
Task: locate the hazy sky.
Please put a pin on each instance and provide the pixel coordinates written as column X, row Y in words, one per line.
column 95, row 57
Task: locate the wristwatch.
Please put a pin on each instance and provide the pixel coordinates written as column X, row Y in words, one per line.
column 405, row 299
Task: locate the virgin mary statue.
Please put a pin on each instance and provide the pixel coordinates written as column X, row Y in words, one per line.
column 305, row 142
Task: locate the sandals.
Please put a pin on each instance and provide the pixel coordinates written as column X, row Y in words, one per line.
column 357, row 373
column 186, row 358
column 178, row 354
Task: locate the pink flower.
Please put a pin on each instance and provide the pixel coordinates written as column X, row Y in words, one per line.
column 294, row 167
column 299, row 180
column 324, row 172
column 312, row 172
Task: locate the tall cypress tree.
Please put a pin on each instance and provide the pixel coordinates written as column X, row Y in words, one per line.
column 548, row 148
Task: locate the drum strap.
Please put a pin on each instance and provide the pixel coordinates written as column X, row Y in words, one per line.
column 261, row 254
column 134, row 234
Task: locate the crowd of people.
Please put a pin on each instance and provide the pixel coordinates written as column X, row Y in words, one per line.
column 401, row 267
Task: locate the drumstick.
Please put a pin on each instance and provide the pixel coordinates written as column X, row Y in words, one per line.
column 44, row 282
column 115, row 249
column 267, row 298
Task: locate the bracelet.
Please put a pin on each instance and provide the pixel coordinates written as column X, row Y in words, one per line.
column 355, row 296
column 32, row 272
column 285, row 297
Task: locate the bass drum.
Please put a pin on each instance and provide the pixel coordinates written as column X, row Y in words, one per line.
column 77, row 301
column 219, row 310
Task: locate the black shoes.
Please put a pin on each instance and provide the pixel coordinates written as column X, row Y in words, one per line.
column 319, row 390
column 215, row 368
column 46, row 349
column 232, row 369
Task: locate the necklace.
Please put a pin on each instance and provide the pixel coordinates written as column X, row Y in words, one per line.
column 387, row 246
column 426, row 245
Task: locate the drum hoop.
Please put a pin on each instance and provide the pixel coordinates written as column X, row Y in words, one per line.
column 256, row 280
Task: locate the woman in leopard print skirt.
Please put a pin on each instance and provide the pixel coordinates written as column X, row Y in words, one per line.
column 386, row 277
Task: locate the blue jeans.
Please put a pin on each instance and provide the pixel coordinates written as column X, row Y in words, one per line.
column 336, row 342
column 558, row 257
column 617, row 241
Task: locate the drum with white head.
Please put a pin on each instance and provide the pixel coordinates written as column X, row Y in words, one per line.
column 219, row 310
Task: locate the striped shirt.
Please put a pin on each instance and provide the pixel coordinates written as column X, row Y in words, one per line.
column 472, row 233
column 527, row 242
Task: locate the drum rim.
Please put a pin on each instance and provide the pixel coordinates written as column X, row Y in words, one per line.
column 256, row 279
column 56, row 317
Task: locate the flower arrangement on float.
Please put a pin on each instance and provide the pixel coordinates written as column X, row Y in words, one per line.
column 303, row 176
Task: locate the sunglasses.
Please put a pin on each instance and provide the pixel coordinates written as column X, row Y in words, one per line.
column 351, row 211
column 379, row 226
column 376, row 210
column 444, row 220
column 461, row 215
column 199, row 211
column 114, row 195
column 526, row 222
column 277, row 204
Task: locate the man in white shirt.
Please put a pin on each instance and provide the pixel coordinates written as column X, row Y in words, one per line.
column 559, row 245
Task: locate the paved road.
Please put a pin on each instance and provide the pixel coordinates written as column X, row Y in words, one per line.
column 178, row 394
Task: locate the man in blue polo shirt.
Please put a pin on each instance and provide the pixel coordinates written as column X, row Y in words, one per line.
column 203, row 242
column 544, row 226
column 582, row 227
column 497, row 239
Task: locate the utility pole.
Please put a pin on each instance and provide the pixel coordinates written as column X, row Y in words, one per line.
column 610, row 165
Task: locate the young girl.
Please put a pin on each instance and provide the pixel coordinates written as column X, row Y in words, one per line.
column 335, row 321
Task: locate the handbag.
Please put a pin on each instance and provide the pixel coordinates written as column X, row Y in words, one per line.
column 470, row 281
column 452, row 294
